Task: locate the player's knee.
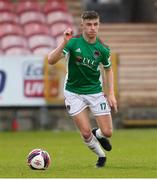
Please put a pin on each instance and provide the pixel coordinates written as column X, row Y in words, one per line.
column 107, row 132
column 86, row 134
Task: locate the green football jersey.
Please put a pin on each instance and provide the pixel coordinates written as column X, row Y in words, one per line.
column 83, row 73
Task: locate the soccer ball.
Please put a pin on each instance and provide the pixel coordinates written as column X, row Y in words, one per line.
column 38, row 159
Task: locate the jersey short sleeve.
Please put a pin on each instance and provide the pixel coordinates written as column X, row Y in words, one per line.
column 67, row 47
column 106, row 57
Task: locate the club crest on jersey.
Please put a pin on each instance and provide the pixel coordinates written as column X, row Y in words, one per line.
column 96, row 54
column 78, row 58
column 68, row 107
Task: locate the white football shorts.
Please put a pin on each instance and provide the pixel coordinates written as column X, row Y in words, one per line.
column 75, row 103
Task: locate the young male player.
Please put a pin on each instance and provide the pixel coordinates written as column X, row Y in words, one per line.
column 83, row 88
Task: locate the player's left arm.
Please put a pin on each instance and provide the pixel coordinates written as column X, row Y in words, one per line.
column 108, row 78
column 109, row 82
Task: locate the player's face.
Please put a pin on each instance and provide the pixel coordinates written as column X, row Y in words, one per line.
column 90, row 27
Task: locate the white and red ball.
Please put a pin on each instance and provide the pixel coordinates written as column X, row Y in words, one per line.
column 38, row 159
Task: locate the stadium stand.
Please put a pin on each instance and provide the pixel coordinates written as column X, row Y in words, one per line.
column 12, row 38
column 136, row 46
column 75, row 9
column 58, row 28
column 146, row 11
column 122, row 38
column 17, row 51
column 135, row 43
column 41, row 40
column 7, row 14
column 10, row 29
column 29, row 17
column 58, row 17
column 27, row 6
column 112, row 10
column 12, row 41
column 29, row 11
column 54, row 5
column 8, row 17
column 42, row 50
column 6, row 6
column 39, row 24
column 35, row 28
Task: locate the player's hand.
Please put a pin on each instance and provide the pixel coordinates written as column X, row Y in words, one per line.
column 68, row 33
column 113, row 102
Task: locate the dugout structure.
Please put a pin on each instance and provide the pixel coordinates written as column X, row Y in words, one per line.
column 53, row 82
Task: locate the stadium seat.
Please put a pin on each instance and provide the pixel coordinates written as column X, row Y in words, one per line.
column 8, row 1
column 35, row 28
column 56, row 11
column 10, row 41
column 58, row 28
column 27, row 5
column 42, row 50
column 41, row 40
column 10, row 29
column 31, row 16
column 54, row 5
column 17, row 51
column 58, row 16
column 6, row 6
column 29, row 11
column 8, row 17
column 1, row 52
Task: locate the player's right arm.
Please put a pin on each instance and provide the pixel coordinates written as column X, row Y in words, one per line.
column 57, row 54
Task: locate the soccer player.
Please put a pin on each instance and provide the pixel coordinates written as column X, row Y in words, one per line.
column 83, row 88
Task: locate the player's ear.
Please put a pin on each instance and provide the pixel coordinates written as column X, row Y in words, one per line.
column 81, row 25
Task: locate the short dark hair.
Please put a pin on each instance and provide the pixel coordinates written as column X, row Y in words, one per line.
column 90, row 15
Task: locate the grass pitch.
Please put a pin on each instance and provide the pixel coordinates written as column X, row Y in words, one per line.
column 134, row 155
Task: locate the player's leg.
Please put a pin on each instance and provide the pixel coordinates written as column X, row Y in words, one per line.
column 82, row 123
column 105, row 124
column 76, row 107
column 101, row 110
column 104, row 132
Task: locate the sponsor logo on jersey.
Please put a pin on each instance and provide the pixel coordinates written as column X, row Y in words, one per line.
column 85, row 62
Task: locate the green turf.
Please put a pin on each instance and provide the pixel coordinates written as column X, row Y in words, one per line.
column 134, row 155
